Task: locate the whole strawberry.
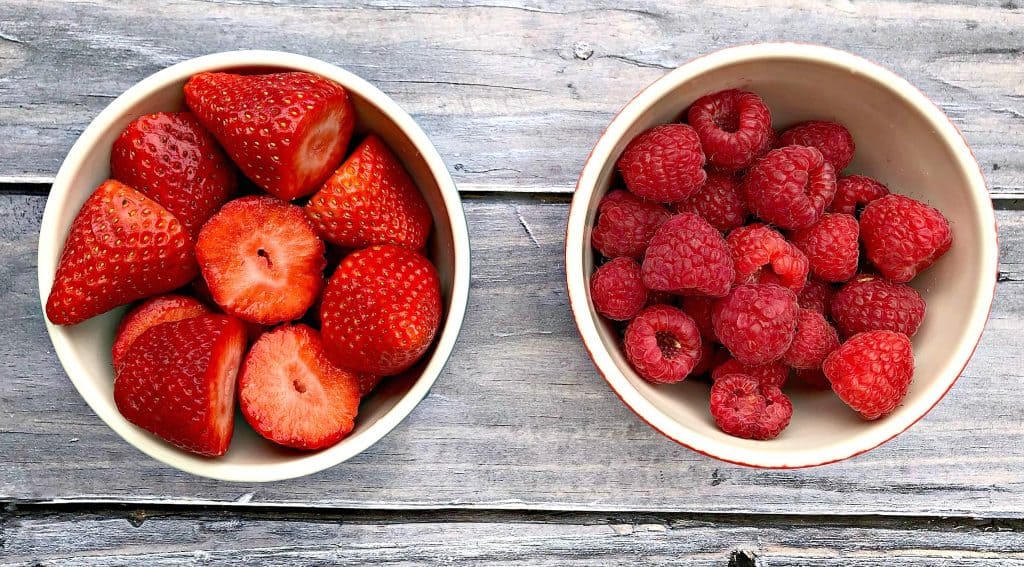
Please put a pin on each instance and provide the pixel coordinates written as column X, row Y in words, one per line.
column 381, row 310
column 903, row 236
column 177, row 381
column 286, row 131
column 371, row 200
column 170, row 158
column 122, row 247
column 664, row 164
column 871, row 372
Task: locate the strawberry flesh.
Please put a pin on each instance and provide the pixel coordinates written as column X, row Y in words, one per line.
column 292, row 395
column 178, row 382
column 152, row 312
column 261, row 260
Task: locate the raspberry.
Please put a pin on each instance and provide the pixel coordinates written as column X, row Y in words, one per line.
column 688, row 256
column 756, row 322
column 718, row 201
column 871, row 372
column 664, row 164
column 813, row 379
column 744, row 407
column 733, row 127
column 699, row 309
column 772, row 374
column 625, row 224
column 663, row 344
column 831, row 246
column 790, row 187
column 814, row 340
column 853, row 192
column 831, row 139
column 761, row 255
column 617, row 289
column 870, row 303
column 903, row 236
column 707, row 358
column 816, row 296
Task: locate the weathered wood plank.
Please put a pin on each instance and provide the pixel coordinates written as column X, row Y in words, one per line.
column 520, row 419
column 514, row 93
column 171, row 538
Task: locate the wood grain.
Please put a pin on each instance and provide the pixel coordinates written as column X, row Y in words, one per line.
column 513, row 93
column 544, row 432
column 155, row 538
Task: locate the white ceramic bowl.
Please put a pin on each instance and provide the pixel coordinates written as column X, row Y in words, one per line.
column 904, row 140
column 84, row 349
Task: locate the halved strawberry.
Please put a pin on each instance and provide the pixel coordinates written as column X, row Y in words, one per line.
column 371, row 200
column 170, row 158
column 380, row 310
column 286, row 131
column 150, row 313
column 178, row 382
column 122, row 247
column 261, row 259
column 292, row 395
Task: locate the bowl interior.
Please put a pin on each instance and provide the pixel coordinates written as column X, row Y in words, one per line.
column 900, row 141
column 84, row 349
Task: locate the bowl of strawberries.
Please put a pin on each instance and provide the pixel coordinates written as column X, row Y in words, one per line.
column 781, row 255
column 253, row 265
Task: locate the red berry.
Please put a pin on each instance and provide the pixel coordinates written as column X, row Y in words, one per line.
column 262, row 260
column 812, row 379
column 903, row 236
column 831, row 246
column 790, row 187
column 286, row 131
column 292, row 395
column 122, row 247
column 744, row 407
column 761, row 255
column 381, row 310
column 617, row 289
column 150, row 313
column 625, row 224
column 831, row 139
column 756, row 322
column 853, row 192
column 371, row 200
column 663, row 344
column 814, row 340
column 664, row 164
column 870, row 303
column 170, row 158
column 816, row 296
column 734, row 126
column 700, row 310
column 772, row 374
column 177, row 381
column 871, row 372
column 718, row 201
column 368, row 383
column 688, row 256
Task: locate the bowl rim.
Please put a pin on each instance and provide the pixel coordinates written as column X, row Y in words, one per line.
column 576, row 281
column 51, row 243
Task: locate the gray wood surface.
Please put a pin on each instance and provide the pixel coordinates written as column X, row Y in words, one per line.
column 544, row 432
column 148, row 538
column 513, row 92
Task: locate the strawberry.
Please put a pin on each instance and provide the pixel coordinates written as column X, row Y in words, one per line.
column 122, row 247
column 381, row 309
column 261, row 259
column 292, row 395
column 368, row 383
column 371, row 200
column 177, row 381
column 150, row 313
column 286, row 131
column 171, row 159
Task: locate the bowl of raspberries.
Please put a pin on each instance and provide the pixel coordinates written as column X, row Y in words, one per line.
column 781, row 255
column 253, row 265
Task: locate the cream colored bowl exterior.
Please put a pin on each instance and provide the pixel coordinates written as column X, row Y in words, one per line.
column 904, row 140
column 84, row 350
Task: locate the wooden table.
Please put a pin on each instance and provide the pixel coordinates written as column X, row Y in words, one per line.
column 521, row 454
